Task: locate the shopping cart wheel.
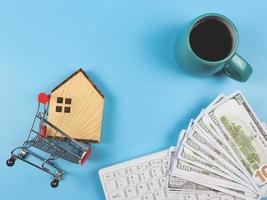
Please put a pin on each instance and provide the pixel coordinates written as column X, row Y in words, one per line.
column 11, row 162
column 54, row 183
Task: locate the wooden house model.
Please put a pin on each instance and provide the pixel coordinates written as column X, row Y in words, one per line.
column 76, row 107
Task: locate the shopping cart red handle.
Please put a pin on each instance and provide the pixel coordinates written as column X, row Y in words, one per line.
column 43, row 131
column 43, row 98
column 85, row 156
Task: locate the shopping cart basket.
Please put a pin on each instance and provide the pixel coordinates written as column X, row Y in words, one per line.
column 56, row 145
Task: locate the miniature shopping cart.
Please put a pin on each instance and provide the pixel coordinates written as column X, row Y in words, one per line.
column 53, row 146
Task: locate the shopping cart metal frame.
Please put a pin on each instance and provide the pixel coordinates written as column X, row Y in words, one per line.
column 56, row 144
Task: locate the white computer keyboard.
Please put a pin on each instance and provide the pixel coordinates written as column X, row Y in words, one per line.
column 145, row 179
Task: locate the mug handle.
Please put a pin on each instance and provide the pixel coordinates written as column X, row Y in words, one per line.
column 238, row 69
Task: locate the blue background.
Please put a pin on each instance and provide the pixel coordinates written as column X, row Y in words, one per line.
column 126, row 47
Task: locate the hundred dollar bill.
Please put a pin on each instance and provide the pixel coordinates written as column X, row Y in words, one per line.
column 200, row 196
column 195, row 174
column 180, row 186
column 217, row 100
column 237, row 123
column 181, row 195
column 210, row 142
column 204, row 175
column 199, row 145
column 187, row 155
column 210, row 159
column 196, row 144
column 176, row 183
column 204, row 124
column 207, row 126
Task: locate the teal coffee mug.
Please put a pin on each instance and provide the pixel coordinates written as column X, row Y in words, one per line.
column 208, row 45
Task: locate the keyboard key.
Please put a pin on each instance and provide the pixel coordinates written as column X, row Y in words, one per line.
column 205, row 196
column 160, row 195
column 130, row 192
column 156, row 172
column 227, row 197
column 118, row 195
column 111, row 186
column 131, row 170
column 137, row 198
column 156, row 162
column 108, row 176
column 133, row 179
column 165, row 160
column 165, row 169
column 145, row 175
column 191, row 197
column 180, row 198
column 142, row 188
column 148, row 197
column 153, row 185
column 143, row 166
column 122, row 182
column 172, row 195
column 120, row 173
column 162, row 182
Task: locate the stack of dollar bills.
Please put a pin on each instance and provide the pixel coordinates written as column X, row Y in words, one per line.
column 223, row 151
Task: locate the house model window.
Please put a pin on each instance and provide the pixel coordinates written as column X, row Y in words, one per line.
column 63, row 105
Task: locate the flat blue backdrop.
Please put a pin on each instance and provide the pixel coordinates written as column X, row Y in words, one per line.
column 126, row 47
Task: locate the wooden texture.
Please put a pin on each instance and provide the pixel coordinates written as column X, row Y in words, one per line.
column 79, row 113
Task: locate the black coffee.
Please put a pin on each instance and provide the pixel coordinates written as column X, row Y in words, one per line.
column 211, row 40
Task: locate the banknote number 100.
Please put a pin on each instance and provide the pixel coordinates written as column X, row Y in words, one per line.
column 262, row 174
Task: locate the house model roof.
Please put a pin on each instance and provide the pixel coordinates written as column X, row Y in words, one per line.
column 76, row 107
